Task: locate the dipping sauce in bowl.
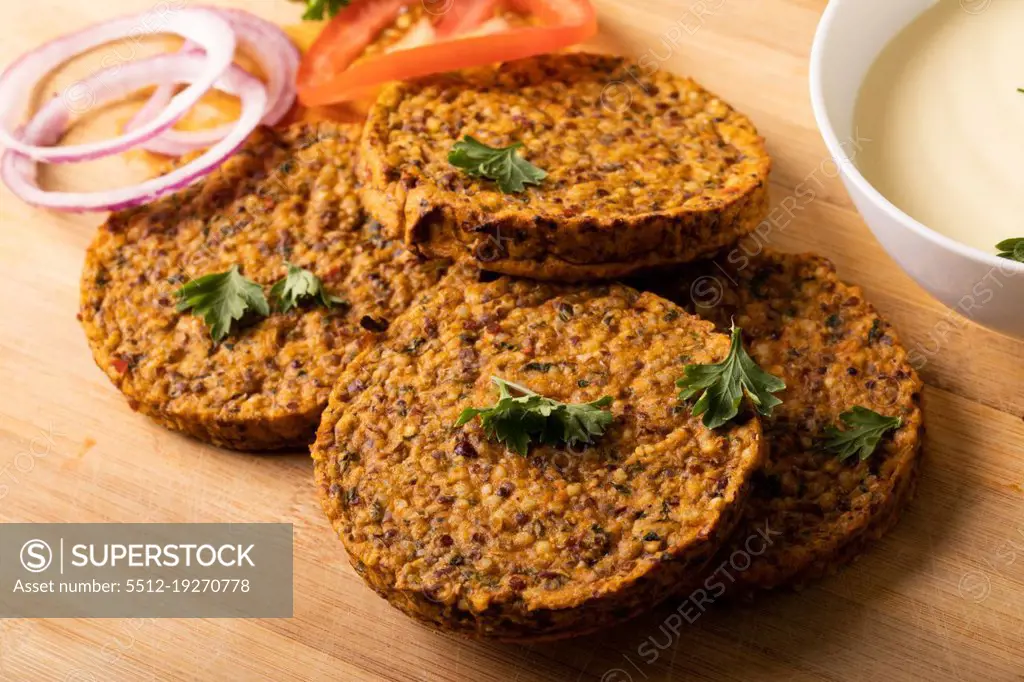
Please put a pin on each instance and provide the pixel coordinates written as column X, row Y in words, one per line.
column 942, row 109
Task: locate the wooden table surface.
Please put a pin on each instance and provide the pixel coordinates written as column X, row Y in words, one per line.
column 940, row 598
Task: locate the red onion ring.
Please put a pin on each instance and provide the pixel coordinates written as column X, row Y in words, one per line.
column 160, row 98
column 50, row 122
column 276, row 56
column 202, row 27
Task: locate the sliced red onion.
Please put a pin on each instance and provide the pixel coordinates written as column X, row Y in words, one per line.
column 49, row 124
column 160, row 98
column 281, row 75
column 276, row 56
column 202, row 27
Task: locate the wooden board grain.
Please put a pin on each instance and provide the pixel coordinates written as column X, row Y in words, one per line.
column 941, row 598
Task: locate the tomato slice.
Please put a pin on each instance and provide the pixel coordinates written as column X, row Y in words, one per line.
column 327, row 74
column 463, row 17
column 347, row 35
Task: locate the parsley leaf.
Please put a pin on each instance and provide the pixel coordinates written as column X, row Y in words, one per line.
column 1012, row 249
column 222, row 298
column 300, row 284
column 864, row 429
column 725, row 384
column 518, row 421
column 315, row 8
column 501, row 164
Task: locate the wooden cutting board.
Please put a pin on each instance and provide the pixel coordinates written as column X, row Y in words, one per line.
column 940, row 598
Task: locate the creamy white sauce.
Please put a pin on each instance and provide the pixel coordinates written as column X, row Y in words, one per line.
column 946, row 122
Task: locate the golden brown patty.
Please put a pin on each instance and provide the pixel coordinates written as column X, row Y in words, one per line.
column 643, row 169
column 455, row 530
column 832, row 349
column 286, row 196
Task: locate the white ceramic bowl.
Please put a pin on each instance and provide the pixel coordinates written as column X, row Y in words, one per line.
column 980, row 286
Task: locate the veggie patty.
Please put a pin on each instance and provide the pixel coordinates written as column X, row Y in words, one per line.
column 835, row 353
column 462, row 532
column 642, row 169
column 285, row 197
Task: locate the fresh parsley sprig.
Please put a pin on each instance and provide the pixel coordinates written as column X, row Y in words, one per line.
column 517, row 421
column 864, row 430
column 221, row 299
column 315, row 9
column 501, row 164
column 298, row 285
column 1012, row 249
column 724, row 385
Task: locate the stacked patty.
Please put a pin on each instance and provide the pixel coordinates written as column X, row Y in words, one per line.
column 802, row 323
column 461, row 532
column 644, row 169
column 285, row 196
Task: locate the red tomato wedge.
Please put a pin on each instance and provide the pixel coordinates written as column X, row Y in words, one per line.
column 328, row 76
